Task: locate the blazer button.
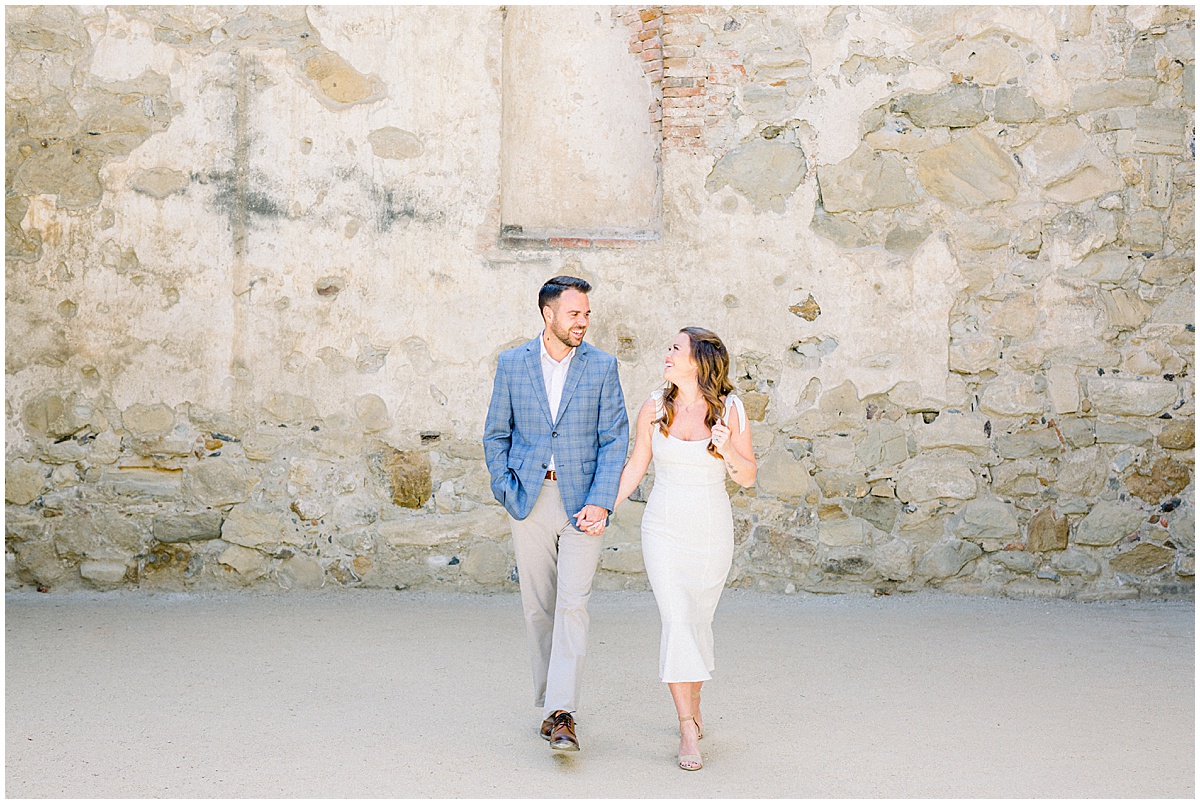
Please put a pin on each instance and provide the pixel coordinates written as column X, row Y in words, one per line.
column 554, row 434
column 545, row 466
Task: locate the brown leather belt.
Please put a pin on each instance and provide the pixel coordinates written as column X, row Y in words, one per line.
column 552, row 475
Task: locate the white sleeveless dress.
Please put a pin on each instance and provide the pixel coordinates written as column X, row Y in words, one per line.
column 687, row 544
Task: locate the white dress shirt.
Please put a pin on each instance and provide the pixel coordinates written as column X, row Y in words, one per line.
column 554, row 374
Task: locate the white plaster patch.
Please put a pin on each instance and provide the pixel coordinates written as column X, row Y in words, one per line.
column 125, row 48
column 880, row 304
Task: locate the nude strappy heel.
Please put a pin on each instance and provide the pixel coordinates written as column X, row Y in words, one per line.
column 696, row 709
column 689, row 762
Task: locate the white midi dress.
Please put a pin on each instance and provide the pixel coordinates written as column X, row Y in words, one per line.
column 687, row 544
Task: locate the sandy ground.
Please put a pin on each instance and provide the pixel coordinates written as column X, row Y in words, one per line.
column 386, row 694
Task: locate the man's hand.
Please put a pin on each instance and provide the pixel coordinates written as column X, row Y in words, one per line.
column 592, row 520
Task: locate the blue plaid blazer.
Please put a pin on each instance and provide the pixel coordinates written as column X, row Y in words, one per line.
column 588, row 441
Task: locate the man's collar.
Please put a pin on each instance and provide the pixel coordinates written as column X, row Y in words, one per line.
column 546, row 353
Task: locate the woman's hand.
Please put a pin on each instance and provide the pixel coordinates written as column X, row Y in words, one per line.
column 720, row 437
column 592, row 520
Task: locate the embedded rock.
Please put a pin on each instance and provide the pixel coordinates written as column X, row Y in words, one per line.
column 1015, row 561
column 1144, row 559
column 956, row 106
column 1178, row 434
column 893, row 560
column 372, row 413
column 766, row 172
column 947, row 559
column 148, row 420
column 970, row 172
column 865, row 181
column 843, row 532
column 259, row 526
column 1047, row 531
column 103, row 573
column 926, row 478
column 218, row 483
column 408, row 475
column 1107, row 523
column 987, row 521
column 394, row 143
column 1075, row 562
column 1131, row 397
column 781, row 475
column 23, row 482
column 197, row 527
column 159, row 182
column 249, row 564
column 301, row 572
column 1166, row 477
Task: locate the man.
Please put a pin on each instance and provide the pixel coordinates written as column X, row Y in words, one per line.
column 555, row 442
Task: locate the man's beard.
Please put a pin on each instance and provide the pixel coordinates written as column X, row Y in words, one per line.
column 564, row 335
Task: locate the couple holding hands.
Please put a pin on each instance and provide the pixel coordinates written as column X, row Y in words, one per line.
column 555, row 441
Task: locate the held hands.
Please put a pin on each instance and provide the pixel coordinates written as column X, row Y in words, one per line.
column 592, row 520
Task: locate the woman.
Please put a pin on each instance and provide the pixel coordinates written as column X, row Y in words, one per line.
column 690, row 431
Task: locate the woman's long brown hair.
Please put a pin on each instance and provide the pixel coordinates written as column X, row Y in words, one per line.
column 712, row 374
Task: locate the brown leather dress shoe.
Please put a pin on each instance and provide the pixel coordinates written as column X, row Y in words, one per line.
column 562, row 735
column 548, row 724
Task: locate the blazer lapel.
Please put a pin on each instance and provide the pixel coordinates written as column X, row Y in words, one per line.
column 578, row 366
column 533, row 362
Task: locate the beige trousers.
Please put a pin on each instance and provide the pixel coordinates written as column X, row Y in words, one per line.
column 555, row 566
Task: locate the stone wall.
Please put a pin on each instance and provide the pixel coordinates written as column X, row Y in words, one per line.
column 257, row 283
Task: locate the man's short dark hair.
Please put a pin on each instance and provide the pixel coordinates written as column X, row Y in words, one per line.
column 556, row 286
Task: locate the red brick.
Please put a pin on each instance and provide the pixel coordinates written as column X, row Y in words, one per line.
column 648, row 14
column 636, row 47
column 653, row 25
column 683, row 71
column 684, row 131
column 651, row 55
column 649, row 33
column 684, row 10
column 655, row 74
column 720, row 73
column 570, row 242
column 682, row 92
column 694, row 102
column 684, row 37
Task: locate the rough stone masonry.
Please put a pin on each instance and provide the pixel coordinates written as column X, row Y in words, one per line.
column 260, row 262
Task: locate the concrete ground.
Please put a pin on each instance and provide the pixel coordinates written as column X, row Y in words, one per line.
column 388, row 694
